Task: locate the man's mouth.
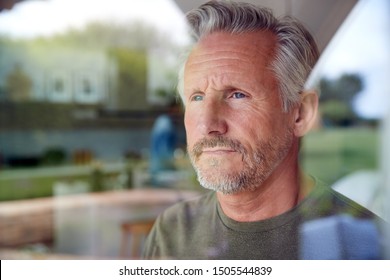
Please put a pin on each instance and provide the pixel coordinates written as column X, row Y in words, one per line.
column 218, row 150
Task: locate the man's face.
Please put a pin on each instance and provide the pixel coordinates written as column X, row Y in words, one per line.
column 237, row 132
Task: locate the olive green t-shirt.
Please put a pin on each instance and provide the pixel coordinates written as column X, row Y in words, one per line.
column 198, row 229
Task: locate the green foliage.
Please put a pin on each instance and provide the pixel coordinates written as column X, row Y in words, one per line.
column 105, row 35
column 53, row 156
column 97, row 180
column 337, row 112
column 330, row 154
column 132, row 77
column 336, row 102
column 343, row 88
column 38, row 182
column 126, row 44
column 27, row 188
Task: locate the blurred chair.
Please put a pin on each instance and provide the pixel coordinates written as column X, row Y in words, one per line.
column 136, row 232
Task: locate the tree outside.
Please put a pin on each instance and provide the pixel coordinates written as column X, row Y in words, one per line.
column 336, row 101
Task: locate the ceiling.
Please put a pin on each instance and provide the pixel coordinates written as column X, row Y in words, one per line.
column 321, row 17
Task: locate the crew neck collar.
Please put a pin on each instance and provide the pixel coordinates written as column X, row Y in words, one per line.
column 270, row 223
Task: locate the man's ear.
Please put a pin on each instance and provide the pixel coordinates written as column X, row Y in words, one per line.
column 306, row 113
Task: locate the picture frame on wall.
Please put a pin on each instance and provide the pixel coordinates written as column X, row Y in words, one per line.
column 59, row 87
column 87, row 87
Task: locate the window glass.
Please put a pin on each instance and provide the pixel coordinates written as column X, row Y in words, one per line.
column 91, row 134
column 352, row 76
column 82, row 85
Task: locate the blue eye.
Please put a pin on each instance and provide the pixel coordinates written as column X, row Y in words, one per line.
column 197, row 98
column 238, row 95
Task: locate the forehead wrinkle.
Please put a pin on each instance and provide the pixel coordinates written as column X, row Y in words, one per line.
column 228, row 57
column 229, row 78
column 224, row 59
column 241, row 61
column 214, row 82
column 204, row 64
column 225, row 68
column 202, row 69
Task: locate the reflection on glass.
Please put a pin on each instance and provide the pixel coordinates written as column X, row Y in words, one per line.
column 352, row 76
column 77, row 105
column 76, row 110
column 346, row 150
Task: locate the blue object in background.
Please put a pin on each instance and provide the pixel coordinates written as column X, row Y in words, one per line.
column 163, row 144
column 340, row 238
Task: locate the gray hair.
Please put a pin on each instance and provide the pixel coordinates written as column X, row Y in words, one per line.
column 296, row 52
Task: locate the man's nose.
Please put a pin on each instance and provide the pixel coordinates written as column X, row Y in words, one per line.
column 212, row 119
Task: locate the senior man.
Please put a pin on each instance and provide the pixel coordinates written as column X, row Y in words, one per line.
column 246, row 109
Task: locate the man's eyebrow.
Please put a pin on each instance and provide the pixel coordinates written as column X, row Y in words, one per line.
column 194, row 90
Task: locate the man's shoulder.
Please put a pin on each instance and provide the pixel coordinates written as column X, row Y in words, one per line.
column 180, row 229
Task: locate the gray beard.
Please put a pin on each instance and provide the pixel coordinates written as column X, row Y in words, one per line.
column 257, row 166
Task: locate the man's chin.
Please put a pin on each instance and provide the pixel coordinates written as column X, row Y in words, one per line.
column 220, row 188
column 222, row 182
column 229, row 182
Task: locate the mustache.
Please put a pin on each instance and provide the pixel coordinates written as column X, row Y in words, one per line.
column 219, row 141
